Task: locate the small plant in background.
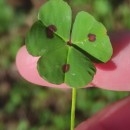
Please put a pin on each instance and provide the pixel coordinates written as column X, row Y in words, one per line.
column 6, row 16
column 67, row 51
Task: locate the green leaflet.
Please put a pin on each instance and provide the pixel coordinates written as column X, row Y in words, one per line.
column 58, row 13
column 84, row 26
column 81, row 70
column 63, row 58
column 51, row 63
column 37, row 41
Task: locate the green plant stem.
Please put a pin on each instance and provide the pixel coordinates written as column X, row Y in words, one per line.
column 73, row 109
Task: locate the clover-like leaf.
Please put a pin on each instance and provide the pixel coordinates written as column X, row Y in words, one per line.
column 91, row 36
column 63, row 58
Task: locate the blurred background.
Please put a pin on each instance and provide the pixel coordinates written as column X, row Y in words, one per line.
column 24, row 106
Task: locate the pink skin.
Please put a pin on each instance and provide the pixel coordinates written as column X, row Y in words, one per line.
column 113, row 117
column 113, row 75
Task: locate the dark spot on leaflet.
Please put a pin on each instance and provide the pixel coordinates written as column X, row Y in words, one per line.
column 91, row 37
column 65, row 68
column 50, row 31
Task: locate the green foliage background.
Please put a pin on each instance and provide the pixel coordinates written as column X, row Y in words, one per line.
column 24, row 106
